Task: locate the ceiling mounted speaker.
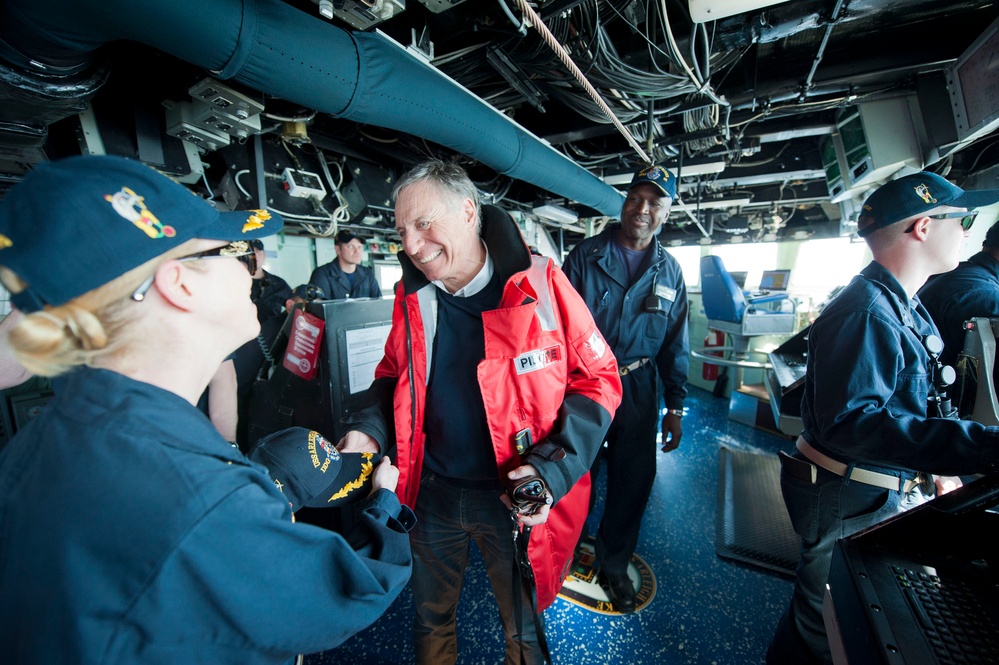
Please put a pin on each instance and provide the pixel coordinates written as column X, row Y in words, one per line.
column 702, row 11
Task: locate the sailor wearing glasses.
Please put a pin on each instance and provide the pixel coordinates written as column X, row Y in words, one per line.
column 874, row 409
column 130, row 530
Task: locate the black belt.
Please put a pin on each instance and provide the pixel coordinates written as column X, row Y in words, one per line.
column 631, row 367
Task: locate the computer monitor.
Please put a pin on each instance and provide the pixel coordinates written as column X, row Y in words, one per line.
column 775, row 280
column 740, row 278
column 974, row 391
column 973, row 88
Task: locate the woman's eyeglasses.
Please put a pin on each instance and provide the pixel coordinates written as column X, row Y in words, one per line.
column 239, row 250
column 967, row 218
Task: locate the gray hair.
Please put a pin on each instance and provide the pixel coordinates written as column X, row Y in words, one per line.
column 449, row 177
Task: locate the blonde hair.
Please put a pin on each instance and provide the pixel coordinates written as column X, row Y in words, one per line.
column 80, row 332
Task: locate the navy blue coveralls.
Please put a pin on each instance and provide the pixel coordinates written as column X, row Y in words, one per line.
column 635, row 334
column 131, row 532
column 269, row 294
column 336, row 285
column 970, row 290
column 867, row 385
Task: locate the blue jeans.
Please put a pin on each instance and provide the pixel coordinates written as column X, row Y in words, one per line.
column 821, row 513
column 449, row 517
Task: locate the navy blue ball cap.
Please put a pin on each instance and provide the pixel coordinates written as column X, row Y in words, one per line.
column 345, row 236
column 311, row 472
column 657, row 176
column 913, row 195
column 75, row 224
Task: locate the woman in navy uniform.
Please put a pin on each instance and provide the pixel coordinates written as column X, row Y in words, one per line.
column 130, row 530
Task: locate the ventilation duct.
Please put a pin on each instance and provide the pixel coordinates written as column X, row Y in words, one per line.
column 281, row 51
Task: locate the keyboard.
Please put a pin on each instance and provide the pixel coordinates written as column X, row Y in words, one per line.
column 788, row 367
column 956, row 625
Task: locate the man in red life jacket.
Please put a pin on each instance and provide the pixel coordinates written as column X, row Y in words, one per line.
column 494, row 372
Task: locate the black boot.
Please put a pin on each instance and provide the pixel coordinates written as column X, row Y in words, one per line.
column 620, row 590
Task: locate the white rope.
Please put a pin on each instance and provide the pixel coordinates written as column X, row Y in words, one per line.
column 553, row 43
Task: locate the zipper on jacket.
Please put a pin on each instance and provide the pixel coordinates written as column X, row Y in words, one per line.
column 411, row 373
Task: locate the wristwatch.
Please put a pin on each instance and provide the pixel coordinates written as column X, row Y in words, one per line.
column 679, row 413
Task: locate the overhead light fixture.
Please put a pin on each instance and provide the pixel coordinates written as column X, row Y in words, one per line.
column 705, row 168
column 702, row 11
column 715, row 204
column 557, row 214
column 768, row 178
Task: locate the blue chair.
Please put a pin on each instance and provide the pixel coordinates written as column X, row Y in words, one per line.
column 738, row 313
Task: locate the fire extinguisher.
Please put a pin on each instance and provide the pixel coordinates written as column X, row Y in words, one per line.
column 709, row 372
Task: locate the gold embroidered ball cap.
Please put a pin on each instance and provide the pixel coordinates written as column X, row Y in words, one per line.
column 914, row 194
column 75, row 224
column 658, row 176
column 311, row 472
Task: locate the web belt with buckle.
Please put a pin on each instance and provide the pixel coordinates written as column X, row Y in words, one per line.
column 865, row 476
column 628, row 369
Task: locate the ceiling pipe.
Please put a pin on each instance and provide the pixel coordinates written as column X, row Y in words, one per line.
column 281, row 51
column 822, row 48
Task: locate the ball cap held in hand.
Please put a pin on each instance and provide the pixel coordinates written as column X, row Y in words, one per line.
column 311, row 472
column 913, row 195
column 75, row 224
column 308, row 292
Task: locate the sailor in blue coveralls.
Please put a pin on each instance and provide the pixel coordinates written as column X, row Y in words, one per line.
column 130, row 530
column 344, row 277
column 638, row 298
column 870, row 410
column 970, row 290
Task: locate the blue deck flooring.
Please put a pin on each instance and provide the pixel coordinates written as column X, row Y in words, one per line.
column 707, row 610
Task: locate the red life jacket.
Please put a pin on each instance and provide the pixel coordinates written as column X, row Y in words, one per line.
column 540, row 345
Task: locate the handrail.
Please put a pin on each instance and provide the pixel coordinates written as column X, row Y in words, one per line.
column 704, row 354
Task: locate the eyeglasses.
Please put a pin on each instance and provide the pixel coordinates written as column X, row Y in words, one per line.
column 967, row 218
column 239, row 250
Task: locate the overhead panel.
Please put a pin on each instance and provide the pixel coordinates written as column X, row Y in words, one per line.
column 974, row 87
column 834, row 164
column 702, row 11
column 438, row 6
column 878, row 140
column 369, row 193
column 361, row 14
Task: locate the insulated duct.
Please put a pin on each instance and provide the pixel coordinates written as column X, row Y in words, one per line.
column 281, row 51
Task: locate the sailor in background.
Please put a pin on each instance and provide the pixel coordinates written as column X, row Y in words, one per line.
column 344, row 277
